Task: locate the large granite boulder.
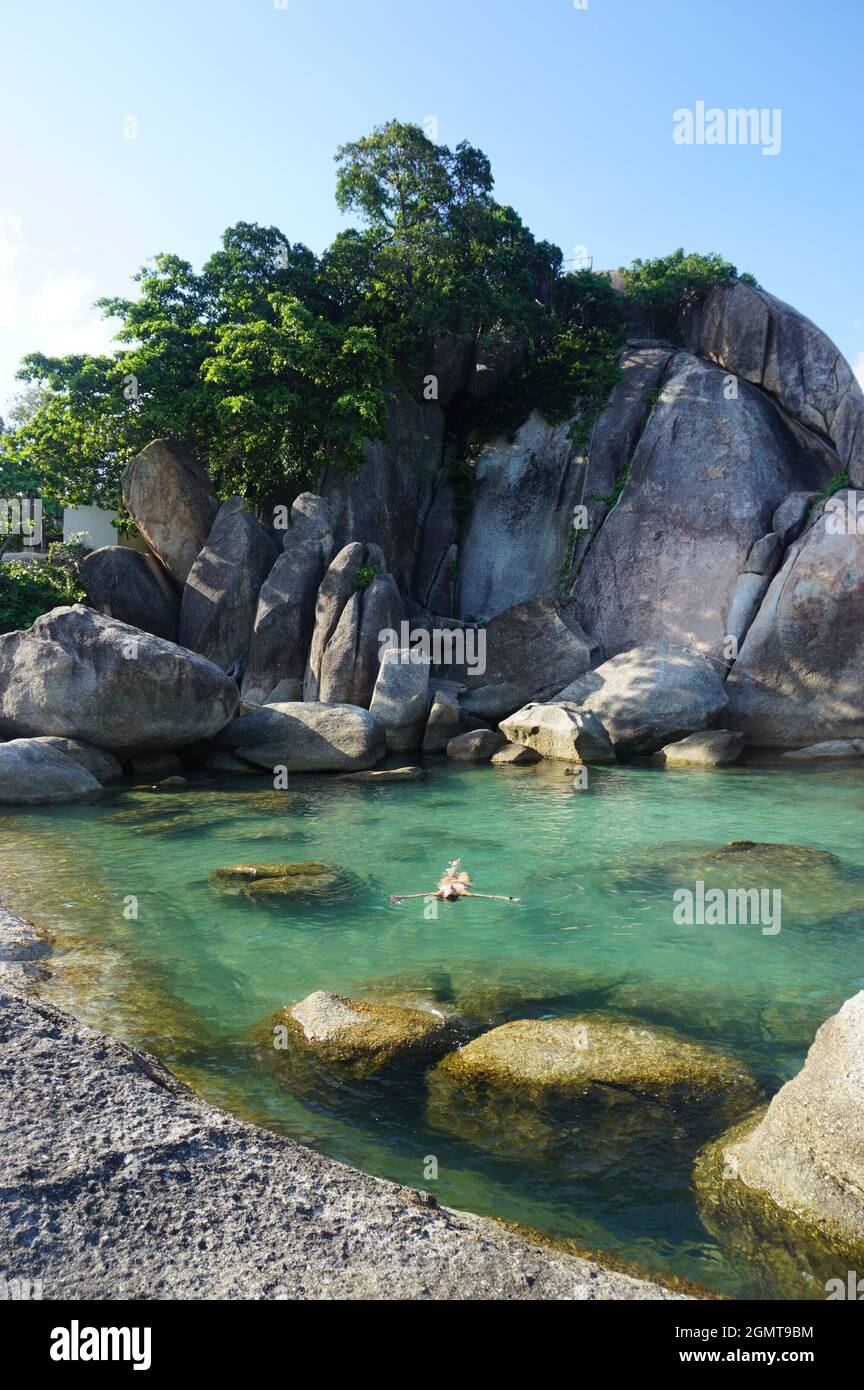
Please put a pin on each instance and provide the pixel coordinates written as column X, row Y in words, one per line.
column 706, row 478
column 101, row 765
column 285, row 615
column 650, row 695
column 799, row 677
column 530, row 650
column 793, row 1177
column 385, row 501
column 561, row 732
column 401, row 698
column 711, row 748
column 442, row 723
column 475, row 746
column 132, row 587
column 352, row 616
column 591, row 1082
column 305, row 737
column 221, row 593
column 172, row 502
column 81, row 675
column 32, row 773
column 769, row 343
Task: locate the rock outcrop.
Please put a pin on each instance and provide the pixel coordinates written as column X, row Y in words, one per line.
column 33, row 773
column 285, row 616
column 172, row 502
column 650, row 695
column 101, row 765
column 357, row 603
column 796, row 1174
column 529, row 651
column 401, row 698
column 714, row 748
column 475, row 746
column 799, row 677
column 306, row 737
column 561, row 732
column 81, row 675
column 220, row 596
column 132, row 587
column 352, row 1037
column 764, row 341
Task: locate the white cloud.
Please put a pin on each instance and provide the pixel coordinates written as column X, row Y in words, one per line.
column 42, row 311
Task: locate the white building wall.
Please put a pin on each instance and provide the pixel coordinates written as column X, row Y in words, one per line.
column 94, row 522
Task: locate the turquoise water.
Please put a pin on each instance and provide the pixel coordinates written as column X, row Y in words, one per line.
column 595, row 869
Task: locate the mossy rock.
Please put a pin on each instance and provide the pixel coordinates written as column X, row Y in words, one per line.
column 585, row 1089
column 326, row 1040
column 816, row 885
column 793, row 1256
column 276, row 883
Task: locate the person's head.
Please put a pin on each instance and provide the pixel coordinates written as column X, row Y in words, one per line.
column 450, row 893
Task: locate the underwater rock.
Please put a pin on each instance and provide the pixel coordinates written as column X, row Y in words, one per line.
column 310, row 880
column 583, row 1089
column 384, row 774
column 710, row 748
column 326, row 1039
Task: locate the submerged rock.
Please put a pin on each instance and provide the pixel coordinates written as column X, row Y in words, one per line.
column 562, row 732
column 33, row 773
column 795, row 1176
column 583, row 1089
column 713, row 748
column 830, row 748
column 650, row 695
column 326, row 1039
column 306, row 880
column 515, row 755
column 79, row 674
column 384, row 774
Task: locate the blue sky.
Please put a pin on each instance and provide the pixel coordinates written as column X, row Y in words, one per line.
column 240, row 105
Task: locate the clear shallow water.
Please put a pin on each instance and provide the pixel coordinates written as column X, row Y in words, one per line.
column 595, row 869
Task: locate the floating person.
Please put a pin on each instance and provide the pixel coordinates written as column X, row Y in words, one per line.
column 454, row 884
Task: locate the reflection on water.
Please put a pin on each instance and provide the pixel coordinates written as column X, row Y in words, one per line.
column 150, row 949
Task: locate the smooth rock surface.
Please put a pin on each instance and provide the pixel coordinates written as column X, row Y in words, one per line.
column 401, row 697
column 79, row 674
column 529, row 650
column 713, row 748
column 650, row 695
column 132, row 587
column 220, row 596
column 307, row 737
column 515, row 755
column 563, row 732
column 799, row 677
column 705, row 480
column 442, row 722
column 475, row 746
column 830, row 748
column 350, row 617
column 32, row 773
column 172, row 502
column 101, row 765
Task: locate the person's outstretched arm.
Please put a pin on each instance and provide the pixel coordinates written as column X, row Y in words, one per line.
column 400, row 897
column 494, row 897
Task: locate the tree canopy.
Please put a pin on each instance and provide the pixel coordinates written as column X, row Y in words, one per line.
column 271, row 361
